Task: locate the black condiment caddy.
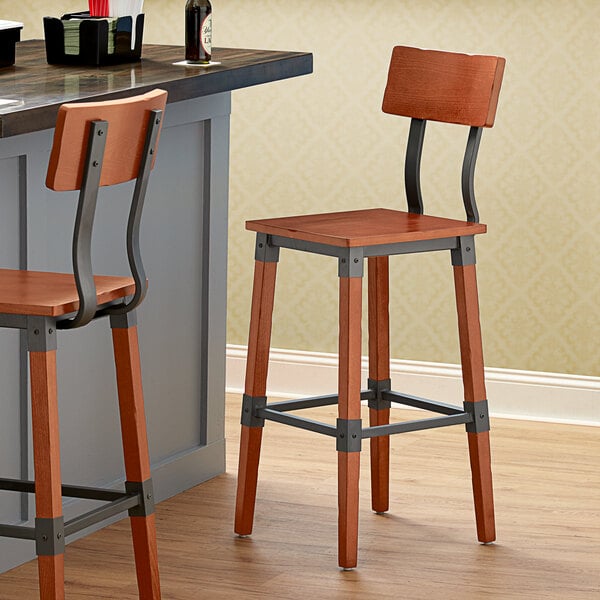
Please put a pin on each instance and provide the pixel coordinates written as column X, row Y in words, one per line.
column 94, row 40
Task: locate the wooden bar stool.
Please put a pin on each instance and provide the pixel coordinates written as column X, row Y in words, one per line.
column 95, row 144
column 423, row 85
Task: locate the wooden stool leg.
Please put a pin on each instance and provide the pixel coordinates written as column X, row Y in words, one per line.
column 46, row 456
column 379, row 371
column 467, row 304
column 135, row 450
column 263, row 293
column 349, row 409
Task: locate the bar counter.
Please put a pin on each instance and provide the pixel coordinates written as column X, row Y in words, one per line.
column 184, row 247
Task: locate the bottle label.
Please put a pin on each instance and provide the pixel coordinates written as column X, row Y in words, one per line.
column 206, row 34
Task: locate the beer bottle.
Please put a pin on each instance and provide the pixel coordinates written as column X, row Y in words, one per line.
column 198, row 31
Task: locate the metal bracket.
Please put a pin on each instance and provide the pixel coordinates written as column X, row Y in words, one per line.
column 145, row 492
column 250, row 408
column 50, row 536
column 349, row 435
column 351, row 262
column 480, row 415
column 379, row 386
column 123, row 320
column 465, row 253
column 264, row 251
column 41, row 334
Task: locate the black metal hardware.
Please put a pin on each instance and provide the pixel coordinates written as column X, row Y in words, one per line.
column 299, row 422
column 468, row 174
column 251, row 406
column 264, row 251
column 379, row 390
column 145, row 495
column 41, row 334
column 135, row 214
column 351, row 262
column 49, row 536
column 138, row 499
column 124, row 320
column 378, row 387
column 422, row 403
column 349, row 435
column 412, row 166
column 84, row 222
column 377, row 250
column 418, row 425
column 465, row 253
column 480, row 416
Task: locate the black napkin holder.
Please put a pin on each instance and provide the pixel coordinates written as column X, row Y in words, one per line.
column 8, row 38
column 93, row 41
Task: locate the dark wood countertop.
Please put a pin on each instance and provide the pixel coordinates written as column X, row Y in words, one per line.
column 41, row 88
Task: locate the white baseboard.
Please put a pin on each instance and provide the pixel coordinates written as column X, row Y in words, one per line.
column 515, row 394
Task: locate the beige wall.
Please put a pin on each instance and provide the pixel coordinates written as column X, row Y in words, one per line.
column 321, row 143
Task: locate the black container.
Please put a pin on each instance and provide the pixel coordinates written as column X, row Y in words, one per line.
column 93, row 41
column 8, row 38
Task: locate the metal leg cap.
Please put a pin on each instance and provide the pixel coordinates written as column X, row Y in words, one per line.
column 243, row 536
column 347, row 568
column 488, row 543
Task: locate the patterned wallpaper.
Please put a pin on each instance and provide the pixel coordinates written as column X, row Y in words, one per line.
column 321, row 142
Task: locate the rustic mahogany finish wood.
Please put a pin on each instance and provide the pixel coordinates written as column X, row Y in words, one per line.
column 349, row 380
column 46, row 458
column 369, row 227
column 256, row 386
column 135, row 452
column 422, row 85
column 43, row 88
column 127, row 118
column 443, row 86
column 379, row 370
column 53, row 294
column 471, row 352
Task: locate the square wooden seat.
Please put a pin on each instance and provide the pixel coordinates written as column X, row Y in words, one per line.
column 369, row 227
column 54, row 294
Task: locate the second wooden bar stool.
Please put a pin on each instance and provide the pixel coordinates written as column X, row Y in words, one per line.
column 423, row 85
column 95, row 144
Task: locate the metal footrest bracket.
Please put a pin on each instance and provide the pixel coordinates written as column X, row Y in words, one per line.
column 473, row 414
column 50, row 534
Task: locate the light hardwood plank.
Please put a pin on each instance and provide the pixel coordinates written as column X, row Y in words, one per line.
column 547, row 485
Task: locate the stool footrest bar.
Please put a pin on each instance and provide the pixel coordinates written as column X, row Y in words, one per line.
column 17, row 531
column 100, row 514
column 406, row 426
column 135, row 500
column 313, row 402
column 295, row 421
column 423, row 403
column 70, row 491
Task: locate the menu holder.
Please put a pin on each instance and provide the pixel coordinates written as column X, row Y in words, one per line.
column 78, row 39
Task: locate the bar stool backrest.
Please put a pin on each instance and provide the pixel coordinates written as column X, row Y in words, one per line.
column 443, row 86
column 100, row 144
column 430, row 85
column 127, row 119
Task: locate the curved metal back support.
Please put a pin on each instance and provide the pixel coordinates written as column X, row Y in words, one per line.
column 412, row 169
column 84, row 221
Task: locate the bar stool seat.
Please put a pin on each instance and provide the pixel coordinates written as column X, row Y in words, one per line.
column 369, row 227
column 424, row 85
column 54, row 294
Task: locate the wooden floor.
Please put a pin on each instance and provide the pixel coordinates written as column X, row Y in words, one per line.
column 547, row 481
